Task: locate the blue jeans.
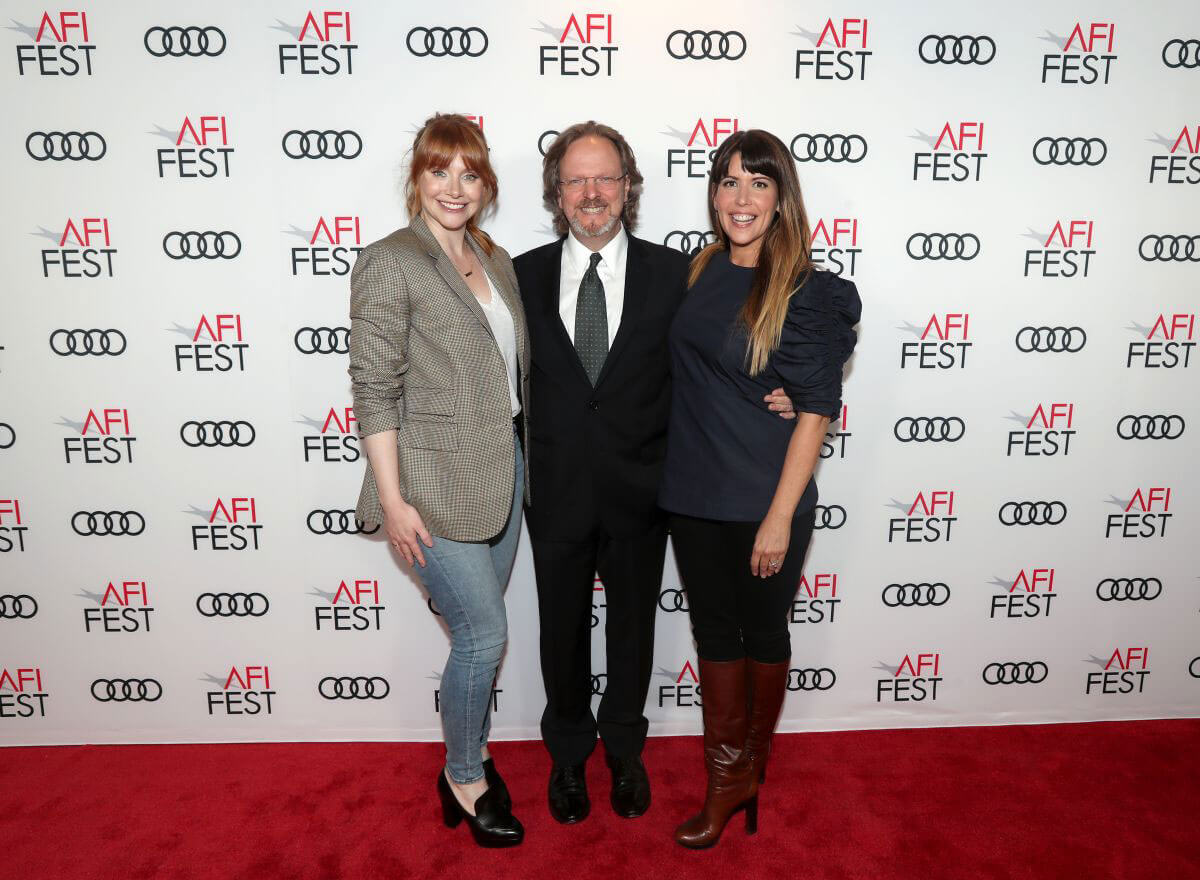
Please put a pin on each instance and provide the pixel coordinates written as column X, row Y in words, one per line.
column 466, row 582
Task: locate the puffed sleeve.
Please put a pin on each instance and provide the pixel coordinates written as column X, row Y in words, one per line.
column 818, row 337
column 378, row 338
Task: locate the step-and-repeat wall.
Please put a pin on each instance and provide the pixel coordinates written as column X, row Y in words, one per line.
column 1009, row 503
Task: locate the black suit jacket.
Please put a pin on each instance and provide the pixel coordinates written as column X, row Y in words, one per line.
column 596, row 454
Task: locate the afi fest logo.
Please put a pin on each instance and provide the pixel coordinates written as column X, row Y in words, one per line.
column 1029, row 594
column 584, row 46
column 60, row 46
column 915, row 680
column 1168, row 342
column 353, row 606
column 12, row 530
column 1144, row 515
column 231, row 525
column 104, row 438
column 217, row 345
column 955, row 155
column 928, row 519
column 244, row 691
column 322, row 45
column 332, row 248
column 1181, row 164
column 839, row 53
column 943, row 343
column 208, row 155
column 1047, row 432
column 1123, row 672
column 123, row 607
column 835, row 244
column 21, row 692
column 337, row 439
column 1085, row 57
column 1065, row 253
column 684, row 690
column 694, row 159
column 83, row 250
column 817, row 599
column 834, row 444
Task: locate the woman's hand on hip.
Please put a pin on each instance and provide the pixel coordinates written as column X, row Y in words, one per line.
column 406, row 532
column 770, row 545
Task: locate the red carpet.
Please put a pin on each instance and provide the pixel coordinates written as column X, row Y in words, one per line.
column 1097, row 801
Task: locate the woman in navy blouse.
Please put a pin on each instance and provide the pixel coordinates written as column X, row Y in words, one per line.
column 739, row 482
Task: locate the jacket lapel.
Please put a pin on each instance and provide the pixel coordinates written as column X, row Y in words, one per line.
column 637, row 281
column 449, row 274
column 552, row 279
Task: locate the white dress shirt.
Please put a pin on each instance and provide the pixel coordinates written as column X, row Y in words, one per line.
column 501, row 321
column 611, row 269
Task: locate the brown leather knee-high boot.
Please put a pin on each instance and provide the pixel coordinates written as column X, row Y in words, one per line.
column 732, row 784
column 766, row 684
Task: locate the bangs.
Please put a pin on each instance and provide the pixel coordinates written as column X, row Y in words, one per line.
column 445, row 138
column 759, row 155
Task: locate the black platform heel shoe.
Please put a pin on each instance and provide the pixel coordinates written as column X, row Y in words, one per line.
column 494, row 780
column 493, row 825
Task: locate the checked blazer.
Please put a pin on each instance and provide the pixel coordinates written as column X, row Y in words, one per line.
column 424, row 363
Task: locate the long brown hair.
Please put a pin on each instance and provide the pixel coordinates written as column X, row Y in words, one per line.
column 443, row 136
column 785, row 256
column 554, row 157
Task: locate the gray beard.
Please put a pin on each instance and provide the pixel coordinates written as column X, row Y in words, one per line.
column 584, row 232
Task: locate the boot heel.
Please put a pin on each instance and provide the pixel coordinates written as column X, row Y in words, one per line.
column 752, row 815
column 452, row 813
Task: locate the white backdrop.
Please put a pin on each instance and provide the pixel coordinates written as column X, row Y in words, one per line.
column 81, row 663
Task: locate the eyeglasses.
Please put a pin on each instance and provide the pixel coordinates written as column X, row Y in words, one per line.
column 574, row 184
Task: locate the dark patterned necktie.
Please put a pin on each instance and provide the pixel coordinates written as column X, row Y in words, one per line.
column 591, row 322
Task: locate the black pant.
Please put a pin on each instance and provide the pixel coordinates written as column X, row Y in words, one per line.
column 734, row 612
column 631, row 571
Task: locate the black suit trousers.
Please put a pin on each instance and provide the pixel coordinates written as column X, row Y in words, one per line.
column 630, row 569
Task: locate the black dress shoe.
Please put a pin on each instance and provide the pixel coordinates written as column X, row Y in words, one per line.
column 492, row 775
column 630, row 786
column 493, row 824
column 568, row 795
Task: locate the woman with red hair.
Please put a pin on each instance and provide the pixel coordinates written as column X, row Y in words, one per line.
column 439, row 362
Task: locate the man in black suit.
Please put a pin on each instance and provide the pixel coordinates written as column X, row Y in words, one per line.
column 598, row 303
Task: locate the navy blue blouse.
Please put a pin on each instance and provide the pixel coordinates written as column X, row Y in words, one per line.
column 725, row 449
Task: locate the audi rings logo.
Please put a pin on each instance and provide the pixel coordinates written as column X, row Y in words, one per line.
column 831, row 516
column 84, row 342
column 1132, row 589
column 545, row 139
column 1069, row 151
column 337, row 522
column 180, row 42
column 19, row 607
column 7, row 435
column 208, row 245
column 126, row 690
column 672, row 601
column 354, row 687
column 1043, row 339
column 103, row 523
column 1024, row 672
column 912, row 595
column 942, row 246
column 440, row 42
column 1181, row 53
column 63, row 145
column 312, row 144
column 829, row 148
column 1170, row 248
column 1032, row 513
column 599, row 683
column 949, row 49
column 232, row 604
column 222, row 433
column 710, row 45
column 691, row 243
column 1157, row 427
column 323, row 340
column 932, row 429
column 810, row 679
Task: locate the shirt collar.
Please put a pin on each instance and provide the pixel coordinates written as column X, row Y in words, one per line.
column 612, row 254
